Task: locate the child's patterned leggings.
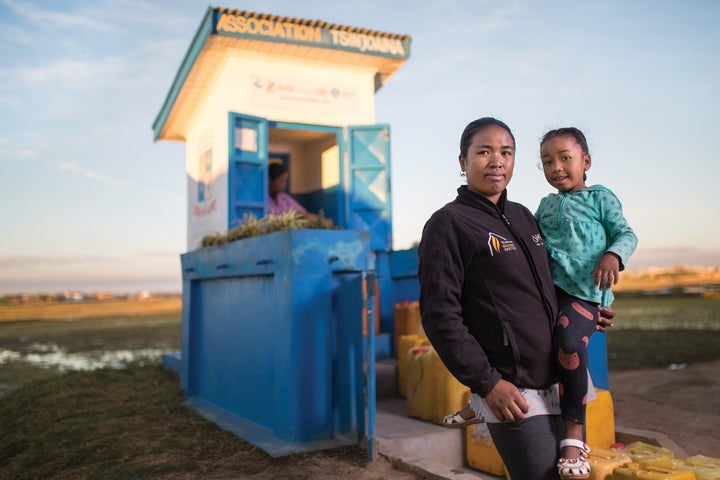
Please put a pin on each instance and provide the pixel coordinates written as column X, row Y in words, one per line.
column 576, row 324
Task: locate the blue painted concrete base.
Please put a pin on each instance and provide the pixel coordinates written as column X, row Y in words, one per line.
column 252, row 432
column 383, row 349
column 261, row 436
column 257, row 434
column 172, row 361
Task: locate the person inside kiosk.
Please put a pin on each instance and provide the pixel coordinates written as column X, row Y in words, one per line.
column 280, row 202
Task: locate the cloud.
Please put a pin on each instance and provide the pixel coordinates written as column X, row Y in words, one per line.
column 91, row 174
column 46, row 19
column 11, row 33
column 9, row 101
column 69, row 73
column 10, row 151
column 88, row 88
column 145, row 12
column 122, row 285
column 32, row 261
column 25, row 261
column 500, row 15
column 134, row 271
column 479, row 17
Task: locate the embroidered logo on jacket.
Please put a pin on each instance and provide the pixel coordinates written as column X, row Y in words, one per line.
column 498, row 244
column 537, row 240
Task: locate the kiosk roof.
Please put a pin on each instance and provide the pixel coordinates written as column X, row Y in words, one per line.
column 224, row 30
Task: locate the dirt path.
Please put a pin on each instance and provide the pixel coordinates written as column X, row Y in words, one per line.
column 684, row 404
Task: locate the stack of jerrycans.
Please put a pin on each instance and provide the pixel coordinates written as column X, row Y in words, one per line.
column 408, row 335
column 409, row 347
column 640, row 460
column 704, row 468
column 649, row 462
column 658, row 463
column 600, row 436
column 407, row 322
column 481, row 452
column 603, row 461
column 641, row 452
column 649, row 471
column 600, row 420
column 431, row 391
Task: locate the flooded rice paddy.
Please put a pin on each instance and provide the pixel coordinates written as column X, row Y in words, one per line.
column 52, row 356
column 34, row 350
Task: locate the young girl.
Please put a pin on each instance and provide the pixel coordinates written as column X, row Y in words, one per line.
column 589, row 242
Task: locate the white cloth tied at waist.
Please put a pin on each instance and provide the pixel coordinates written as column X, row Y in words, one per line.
column 544, row 401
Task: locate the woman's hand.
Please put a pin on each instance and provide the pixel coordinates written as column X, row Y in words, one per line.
column 506, row 402
column 605, row 320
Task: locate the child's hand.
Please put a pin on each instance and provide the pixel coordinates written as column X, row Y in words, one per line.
column 607, row 271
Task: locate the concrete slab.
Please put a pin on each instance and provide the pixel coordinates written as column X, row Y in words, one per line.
column 421, row 446
column 417, row 445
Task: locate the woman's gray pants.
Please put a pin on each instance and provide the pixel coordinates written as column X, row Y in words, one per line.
column 529, row 447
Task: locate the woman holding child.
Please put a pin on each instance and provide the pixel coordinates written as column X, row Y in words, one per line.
column 489, row 306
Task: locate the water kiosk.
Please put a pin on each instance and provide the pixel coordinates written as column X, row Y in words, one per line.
column 272, row 326
column 272, row 343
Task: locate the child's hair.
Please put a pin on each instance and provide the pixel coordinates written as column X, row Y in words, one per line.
column 573, row 132
column 477, row 125
column 569, row 132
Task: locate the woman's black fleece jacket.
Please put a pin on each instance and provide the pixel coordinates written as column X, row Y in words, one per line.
column 487, row 299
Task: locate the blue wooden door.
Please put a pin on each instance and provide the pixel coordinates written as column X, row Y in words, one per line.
column 247, row 167
column 369, row 189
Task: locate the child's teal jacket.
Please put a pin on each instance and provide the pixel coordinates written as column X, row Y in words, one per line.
column 578, row 228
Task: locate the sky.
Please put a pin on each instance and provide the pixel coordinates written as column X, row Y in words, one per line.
column 91, row 202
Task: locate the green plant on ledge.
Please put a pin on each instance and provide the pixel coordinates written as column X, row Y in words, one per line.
column 251, row 226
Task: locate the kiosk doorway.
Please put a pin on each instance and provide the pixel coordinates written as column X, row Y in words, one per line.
column 312, row 156
column 344, row 171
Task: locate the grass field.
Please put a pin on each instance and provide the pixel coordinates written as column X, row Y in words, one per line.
column 664, row 331
column 677, row 277
column 97, row 309
column 668, row 313
column 131, row 424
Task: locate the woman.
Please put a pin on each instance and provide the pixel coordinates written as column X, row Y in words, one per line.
column 280, row 202
column 488, row 304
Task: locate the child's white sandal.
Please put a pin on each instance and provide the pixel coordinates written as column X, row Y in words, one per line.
column 574, row 468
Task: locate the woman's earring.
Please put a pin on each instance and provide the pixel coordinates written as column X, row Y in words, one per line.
column 462, row 173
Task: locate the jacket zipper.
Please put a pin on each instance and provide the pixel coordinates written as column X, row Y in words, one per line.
column 533, row 268
column 560, row 209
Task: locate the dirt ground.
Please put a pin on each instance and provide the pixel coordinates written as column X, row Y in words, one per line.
column 684, row 404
